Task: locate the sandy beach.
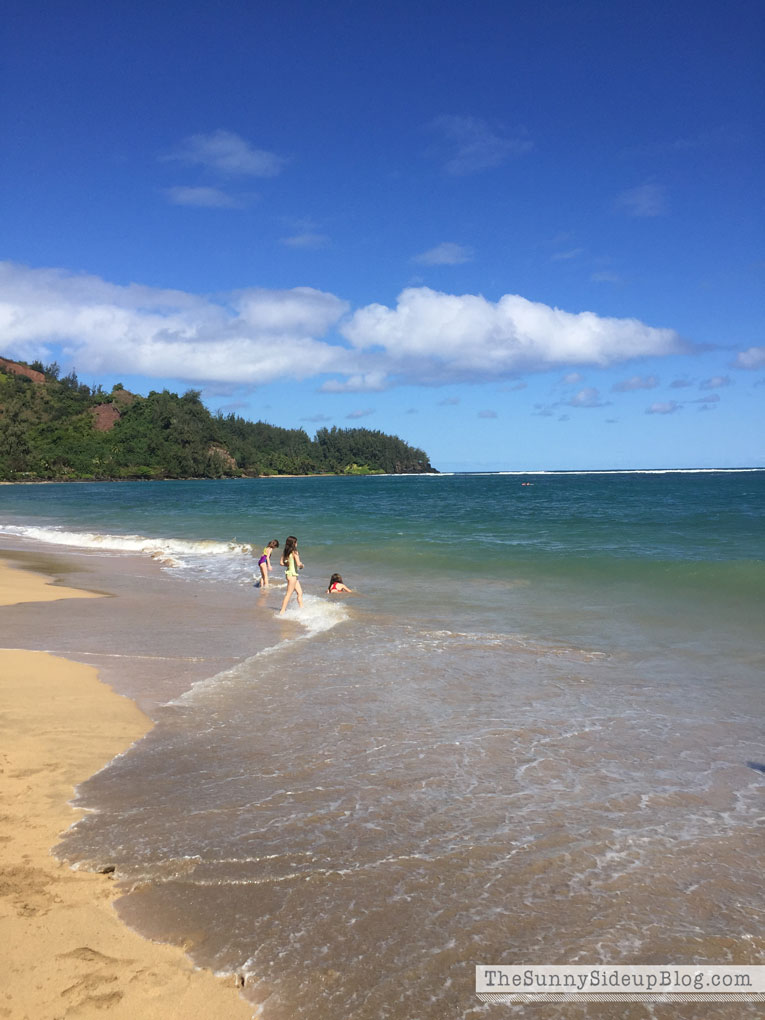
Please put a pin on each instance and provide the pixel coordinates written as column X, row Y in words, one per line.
column 65, row 952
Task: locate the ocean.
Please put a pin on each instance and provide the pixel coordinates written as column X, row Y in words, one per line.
column 529, row 737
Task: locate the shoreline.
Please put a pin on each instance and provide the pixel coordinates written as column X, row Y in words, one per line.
column 211, row 478
column 67, row 952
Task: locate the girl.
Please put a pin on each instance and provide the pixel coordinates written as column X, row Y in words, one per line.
column 336, row 584
column 265, row 562
column 290, row 560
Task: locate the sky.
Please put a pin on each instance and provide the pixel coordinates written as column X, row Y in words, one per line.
column 519, row 235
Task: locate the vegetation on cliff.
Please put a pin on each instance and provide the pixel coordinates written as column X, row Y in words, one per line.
column 57, row 428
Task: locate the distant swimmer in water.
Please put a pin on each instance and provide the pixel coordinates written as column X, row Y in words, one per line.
column 336, row 585
column 291, row 562
column 265, row 562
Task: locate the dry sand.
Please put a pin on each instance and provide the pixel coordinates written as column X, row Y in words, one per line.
column 64, row 952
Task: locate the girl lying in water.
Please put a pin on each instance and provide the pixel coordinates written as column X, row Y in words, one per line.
column 336, row 585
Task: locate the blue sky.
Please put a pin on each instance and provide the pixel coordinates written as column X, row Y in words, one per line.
column 518, row 235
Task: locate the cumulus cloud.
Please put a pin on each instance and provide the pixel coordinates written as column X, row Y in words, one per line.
column 680, row 384
column 644, row 201
column 207, row 198
column 588, row 397
column 436, row 338
column 715, row 383
column 476, row 146
column 664, row 408
column 257, row 335
column 752, row 358
column 572, row 378
column 356, row 382
column 361, row 414
column 446, row 254
column 636, row 382
column 229, row 154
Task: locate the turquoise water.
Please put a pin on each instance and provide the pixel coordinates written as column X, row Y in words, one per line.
column 526, row 740
column 689, row 544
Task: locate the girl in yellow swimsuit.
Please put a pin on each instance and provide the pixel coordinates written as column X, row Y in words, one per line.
column 291, row 562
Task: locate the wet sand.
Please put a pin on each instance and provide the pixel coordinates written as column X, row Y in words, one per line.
column 65, row 952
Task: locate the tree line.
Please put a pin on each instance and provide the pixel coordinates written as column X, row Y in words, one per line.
column 64, row 429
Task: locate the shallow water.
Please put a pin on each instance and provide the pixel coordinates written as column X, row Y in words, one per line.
column 526, row 741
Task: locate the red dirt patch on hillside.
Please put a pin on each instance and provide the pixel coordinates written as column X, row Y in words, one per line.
column 30, row 373
column 105, row 417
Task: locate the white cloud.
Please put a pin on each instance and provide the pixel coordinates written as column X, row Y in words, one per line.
column 449, row 402
column 301, row 310
column 664, row 408
column 588, row 397
column 476, row 146
column 433, row 338
column 256, row 335
column 229, row 154
column 357, row 382
column 715, row 383
column 636, row 382
column 752, row 358
column 644, row 201
column 446, row 254
column 208, row 198
column 307, row 240
column 680, row 384
column 317, row 418
column 572, row 378
column 487, row 414
column 361, row 414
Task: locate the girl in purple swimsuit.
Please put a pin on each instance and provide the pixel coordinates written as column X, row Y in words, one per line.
column 265, row 562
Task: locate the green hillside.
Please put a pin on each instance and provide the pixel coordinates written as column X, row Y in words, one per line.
column 57, row 428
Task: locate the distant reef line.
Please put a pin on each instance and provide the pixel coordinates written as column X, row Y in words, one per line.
column 55, row 428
